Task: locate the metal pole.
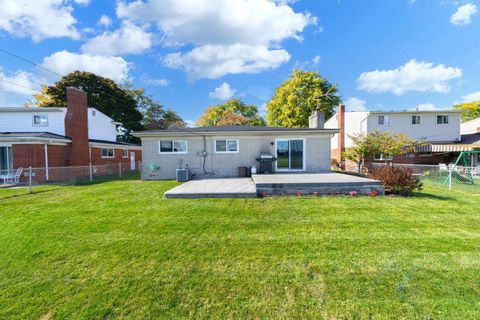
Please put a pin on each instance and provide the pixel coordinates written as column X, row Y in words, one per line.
column 91, row 172
column 141, row 170
column 450, row 178
column 30, row 179
column 120, row 169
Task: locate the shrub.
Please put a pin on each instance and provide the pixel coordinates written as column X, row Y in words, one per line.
column 397, row 180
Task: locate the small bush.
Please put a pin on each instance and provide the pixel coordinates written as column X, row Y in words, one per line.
column 397, row 180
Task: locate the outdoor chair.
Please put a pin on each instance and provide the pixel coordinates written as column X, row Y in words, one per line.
column 11, row 176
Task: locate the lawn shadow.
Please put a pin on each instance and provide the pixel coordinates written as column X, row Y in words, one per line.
column 432, row 196
column 28, row 193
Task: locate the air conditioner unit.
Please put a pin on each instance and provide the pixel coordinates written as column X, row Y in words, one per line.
column 183, row 175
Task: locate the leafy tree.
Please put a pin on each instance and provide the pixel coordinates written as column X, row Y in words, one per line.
column 155, row 116
column 296, row 99
column 386, row 143
column 234, row 111
column 470, row 110
column 103, row 94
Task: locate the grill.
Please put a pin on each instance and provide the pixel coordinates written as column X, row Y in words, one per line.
column 266, row 163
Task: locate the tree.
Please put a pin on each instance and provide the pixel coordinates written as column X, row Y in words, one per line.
column 471, row 110
column 155, row 116
column 296, row 99
column 103, row 94
column 385, row 143
column 234, row 111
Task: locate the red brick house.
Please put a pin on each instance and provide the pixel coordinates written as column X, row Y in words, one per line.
column 50, row 138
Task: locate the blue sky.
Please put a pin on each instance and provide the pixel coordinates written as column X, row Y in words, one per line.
column 189, row 54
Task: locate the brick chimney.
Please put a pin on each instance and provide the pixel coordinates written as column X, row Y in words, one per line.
column 76, row 127
column 316, row 120
column 341, row 126
column 478, row 129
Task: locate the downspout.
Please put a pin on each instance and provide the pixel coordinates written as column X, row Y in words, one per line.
column 46, row 162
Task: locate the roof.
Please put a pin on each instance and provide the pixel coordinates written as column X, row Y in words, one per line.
column 415, row 111
column 473, row 138
column 37, row 135
column 230, row 128
column 117, row 143
column 32, row 109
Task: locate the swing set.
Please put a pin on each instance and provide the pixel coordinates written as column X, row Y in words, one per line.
column 464, row 170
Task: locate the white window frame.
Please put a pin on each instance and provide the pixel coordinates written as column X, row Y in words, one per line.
column 226, row 144
column 443, row 123
column 386, row 120
column 123, row 153
column 107, row 156
column 39, row 115
column 173, row 143
column 417, row 117
column 382, row 158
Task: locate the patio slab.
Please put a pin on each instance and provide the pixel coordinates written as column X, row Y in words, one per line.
column 319, row 183
column 214, row 188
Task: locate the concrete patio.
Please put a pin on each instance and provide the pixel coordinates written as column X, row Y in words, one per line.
column 276, row 184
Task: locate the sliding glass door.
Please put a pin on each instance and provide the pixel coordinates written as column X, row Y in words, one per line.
column 290, row 154
column 6, row 160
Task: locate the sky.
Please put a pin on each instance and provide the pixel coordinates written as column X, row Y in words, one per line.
column 190, row 54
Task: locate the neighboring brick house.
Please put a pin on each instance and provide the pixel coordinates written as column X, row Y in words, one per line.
column 75, row 136
column 438, row 130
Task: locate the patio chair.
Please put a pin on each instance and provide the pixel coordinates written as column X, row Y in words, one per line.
column 17, row 175
column 11, row 176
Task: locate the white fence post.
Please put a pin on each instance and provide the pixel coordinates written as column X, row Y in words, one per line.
column 120, row 169
column 90, row 171
column 450, row 170
column 30, row 179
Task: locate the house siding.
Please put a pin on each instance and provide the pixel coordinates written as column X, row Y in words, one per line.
column 317, row 153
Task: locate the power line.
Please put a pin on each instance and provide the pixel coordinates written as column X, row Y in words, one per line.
column 18, row 85
column 30, row 62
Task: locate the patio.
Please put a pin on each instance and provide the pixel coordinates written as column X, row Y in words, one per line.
column 276, row 184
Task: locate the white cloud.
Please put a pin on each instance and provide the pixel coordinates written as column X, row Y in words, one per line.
column 317, row 59
column 475, row 96
column 39, row 20
column 464, row 14
column 413, row 76
column 429, row 107
column 129, row 39
column 222, row 92
column 64, row 62
column 82, row 2
column 156, row 82
column 105, row 21
column 355, row 104
column 213, row 62
column 21, row 83
column 253, row 29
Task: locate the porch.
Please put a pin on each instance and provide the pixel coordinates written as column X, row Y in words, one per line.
column 276, row 184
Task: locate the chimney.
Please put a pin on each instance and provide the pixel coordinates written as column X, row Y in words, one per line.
column 316, row 120
column 341, row 126
column 76, row 127
column 478, row 129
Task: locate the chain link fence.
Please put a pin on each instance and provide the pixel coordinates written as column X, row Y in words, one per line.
column 448, row 176
column 68, row 175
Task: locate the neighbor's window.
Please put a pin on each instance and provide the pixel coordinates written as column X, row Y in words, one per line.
column 124, row 153
column 173, row 146
column 442, row 119
column 415, row 120
column 383, row 120
column 381, row 157
column 40, row 120
column 226, row 146
column 108, row 153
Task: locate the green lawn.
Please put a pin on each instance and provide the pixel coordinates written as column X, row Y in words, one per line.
column 117, row 250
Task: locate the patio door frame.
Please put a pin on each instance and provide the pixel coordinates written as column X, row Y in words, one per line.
column 9, row 158
column 304, row 158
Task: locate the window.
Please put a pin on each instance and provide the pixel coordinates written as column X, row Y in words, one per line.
column 226, row 146
column 381, row 157
column 6, row 160
column 108, row 153
column 415, row 120
column 124, row 153
column 442, row 119
column 173, row 146
column 383, row 120
column 40, row 120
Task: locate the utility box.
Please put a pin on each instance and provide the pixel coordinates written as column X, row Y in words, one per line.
column 183, row 175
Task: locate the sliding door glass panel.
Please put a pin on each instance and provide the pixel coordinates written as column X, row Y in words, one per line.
column 283, row 154
column 296, row 154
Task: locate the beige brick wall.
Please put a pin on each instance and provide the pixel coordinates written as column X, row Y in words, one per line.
column 226, row 165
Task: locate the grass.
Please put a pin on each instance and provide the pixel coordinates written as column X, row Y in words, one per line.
column 118, row 250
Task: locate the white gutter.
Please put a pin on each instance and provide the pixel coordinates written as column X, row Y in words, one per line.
column 46, row 162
